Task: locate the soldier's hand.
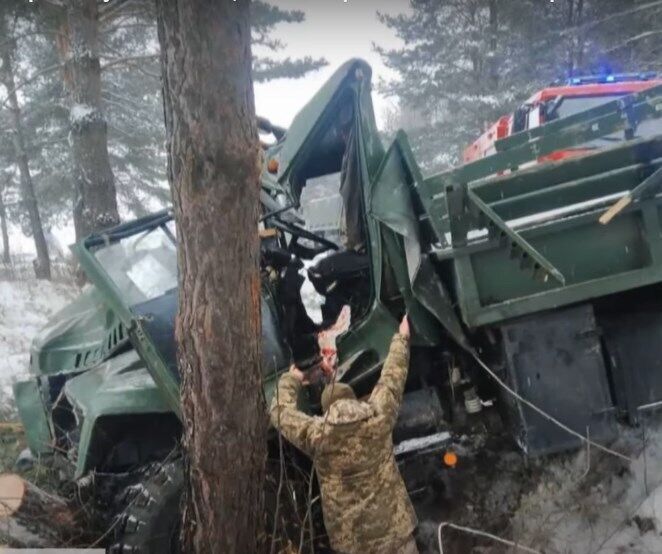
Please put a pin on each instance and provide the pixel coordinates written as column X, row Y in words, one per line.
column 327, row 367
column 404, row 327
column 298, row 374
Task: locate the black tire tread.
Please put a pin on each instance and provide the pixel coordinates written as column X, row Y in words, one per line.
column 150, row 506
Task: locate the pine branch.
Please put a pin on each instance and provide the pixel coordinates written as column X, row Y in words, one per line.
column 16, row 38
column 107, row 10
column 128, row 60
column 30, row 80
column 267, row 69
column 582, row 28
column 631, row 40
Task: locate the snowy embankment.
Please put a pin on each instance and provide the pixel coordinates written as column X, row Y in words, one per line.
column 596, row 503
column 25, row 307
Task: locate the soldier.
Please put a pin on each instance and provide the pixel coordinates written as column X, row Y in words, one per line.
column 364, row 500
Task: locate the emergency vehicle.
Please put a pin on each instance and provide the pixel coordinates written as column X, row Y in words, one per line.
column 562, row 100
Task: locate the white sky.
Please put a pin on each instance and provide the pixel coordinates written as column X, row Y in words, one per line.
column 334, row 30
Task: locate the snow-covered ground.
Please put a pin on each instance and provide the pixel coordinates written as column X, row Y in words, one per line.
column 607, row 506
column 25, row 307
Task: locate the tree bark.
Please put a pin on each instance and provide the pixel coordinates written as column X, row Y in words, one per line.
column 42, row 264
column 6, row 254
column 213, row 168
column 95, row 202
column 494, row 30
column 30, row 517
column 581, row 37
column 570, row 21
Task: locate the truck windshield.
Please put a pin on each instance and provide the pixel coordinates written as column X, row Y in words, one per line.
column 142, row 266
column 571, row 105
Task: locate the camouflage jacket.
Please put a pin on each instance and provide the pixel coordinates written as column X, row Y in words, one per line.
column 364, row 500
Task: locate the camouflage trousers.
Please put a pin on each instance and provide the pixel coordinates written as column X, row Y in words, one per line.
column 408, row 546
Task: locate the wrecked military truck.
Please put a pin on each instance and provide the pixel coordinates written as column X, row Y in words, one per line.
column 508, row 268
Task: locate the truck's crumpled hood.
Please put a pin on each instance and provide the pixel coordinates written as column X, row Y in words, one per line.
column 75, row 337
column 121, row 384
column 116, row 387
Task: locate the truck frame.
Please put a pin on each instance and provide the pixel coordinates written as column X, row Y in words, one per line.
column 515, row 270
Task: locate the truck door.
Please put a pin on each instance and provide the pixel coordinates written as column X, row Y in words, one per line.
column 423, row 292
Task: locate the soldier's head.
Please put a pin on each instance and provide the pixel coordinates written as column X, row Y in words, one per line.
column 335, row 391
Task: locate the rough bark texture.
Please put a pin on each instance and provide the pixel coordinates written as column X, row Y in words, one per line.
column 42, row 264
column 6, row 255
column 213, row 165
column 95, row 203
column 30, row 517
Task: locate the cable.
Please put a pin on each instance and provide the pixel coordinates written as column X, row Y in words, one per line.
column 480, row 534
column 546, row 415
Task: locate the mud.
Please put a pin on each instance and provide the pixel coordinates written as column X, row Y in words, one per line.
column 583, row 502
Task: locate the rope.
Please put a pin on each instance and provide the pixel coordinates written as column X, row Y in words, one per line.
column 548, row 417
column 483, row 534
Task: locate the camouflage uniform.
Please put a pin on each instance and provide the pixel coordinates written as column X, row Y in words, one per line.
column 364, row 500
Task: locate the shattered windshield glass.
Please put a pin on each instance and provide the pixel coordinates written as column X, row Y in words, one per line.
column 142, row 266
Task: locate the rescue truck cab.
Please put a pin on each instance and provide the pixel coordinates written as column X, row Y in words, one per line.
column 562, row 100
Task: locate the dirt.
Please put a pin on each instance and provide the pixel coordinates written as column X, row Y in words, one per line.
column 483, row 491
column 580, row 502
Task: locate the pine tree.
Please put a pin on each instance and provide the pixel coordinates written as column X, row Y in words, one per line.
column 130, row 100
column 95, row 204
column 45, row 117
column 213, row 167
column 467, row 62
column 264, row 17
column 6, row 251
column 16, row 131
column 449, row 72
column 131, row 95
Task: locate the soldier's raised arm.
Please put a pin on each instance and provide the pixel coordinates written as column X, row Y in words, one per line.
column 296, row 426
column 387, row 394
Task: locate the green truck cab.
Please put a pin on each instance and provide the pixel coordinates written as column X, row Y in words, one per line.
column 509, row 266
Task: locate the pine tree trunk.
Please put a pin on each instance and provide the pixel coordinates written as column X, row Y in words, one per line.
column 570, row 20
column 213, row 166
column 95, row 203
column 494, row 30
column 581, row 36
column 6, row 255
column 42, row 264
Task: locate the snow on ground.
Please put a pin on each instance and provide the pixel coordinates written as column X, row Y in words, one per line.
column 599, row 505
column 609, row 506
column 25, row 307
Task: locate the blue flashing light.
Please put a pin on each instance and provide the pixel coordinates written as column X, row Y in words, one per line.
column 611, row 78
column 647, row 75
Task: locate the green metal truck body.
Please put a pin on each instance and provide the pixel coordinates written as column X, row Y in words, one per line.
column 466, row 253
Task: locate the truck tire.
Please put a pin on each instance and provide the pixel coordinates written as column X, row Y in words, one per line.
column 149, row 522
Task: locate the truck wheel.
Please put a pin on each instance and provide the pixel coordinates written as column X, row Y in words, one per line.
column 150, row 520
